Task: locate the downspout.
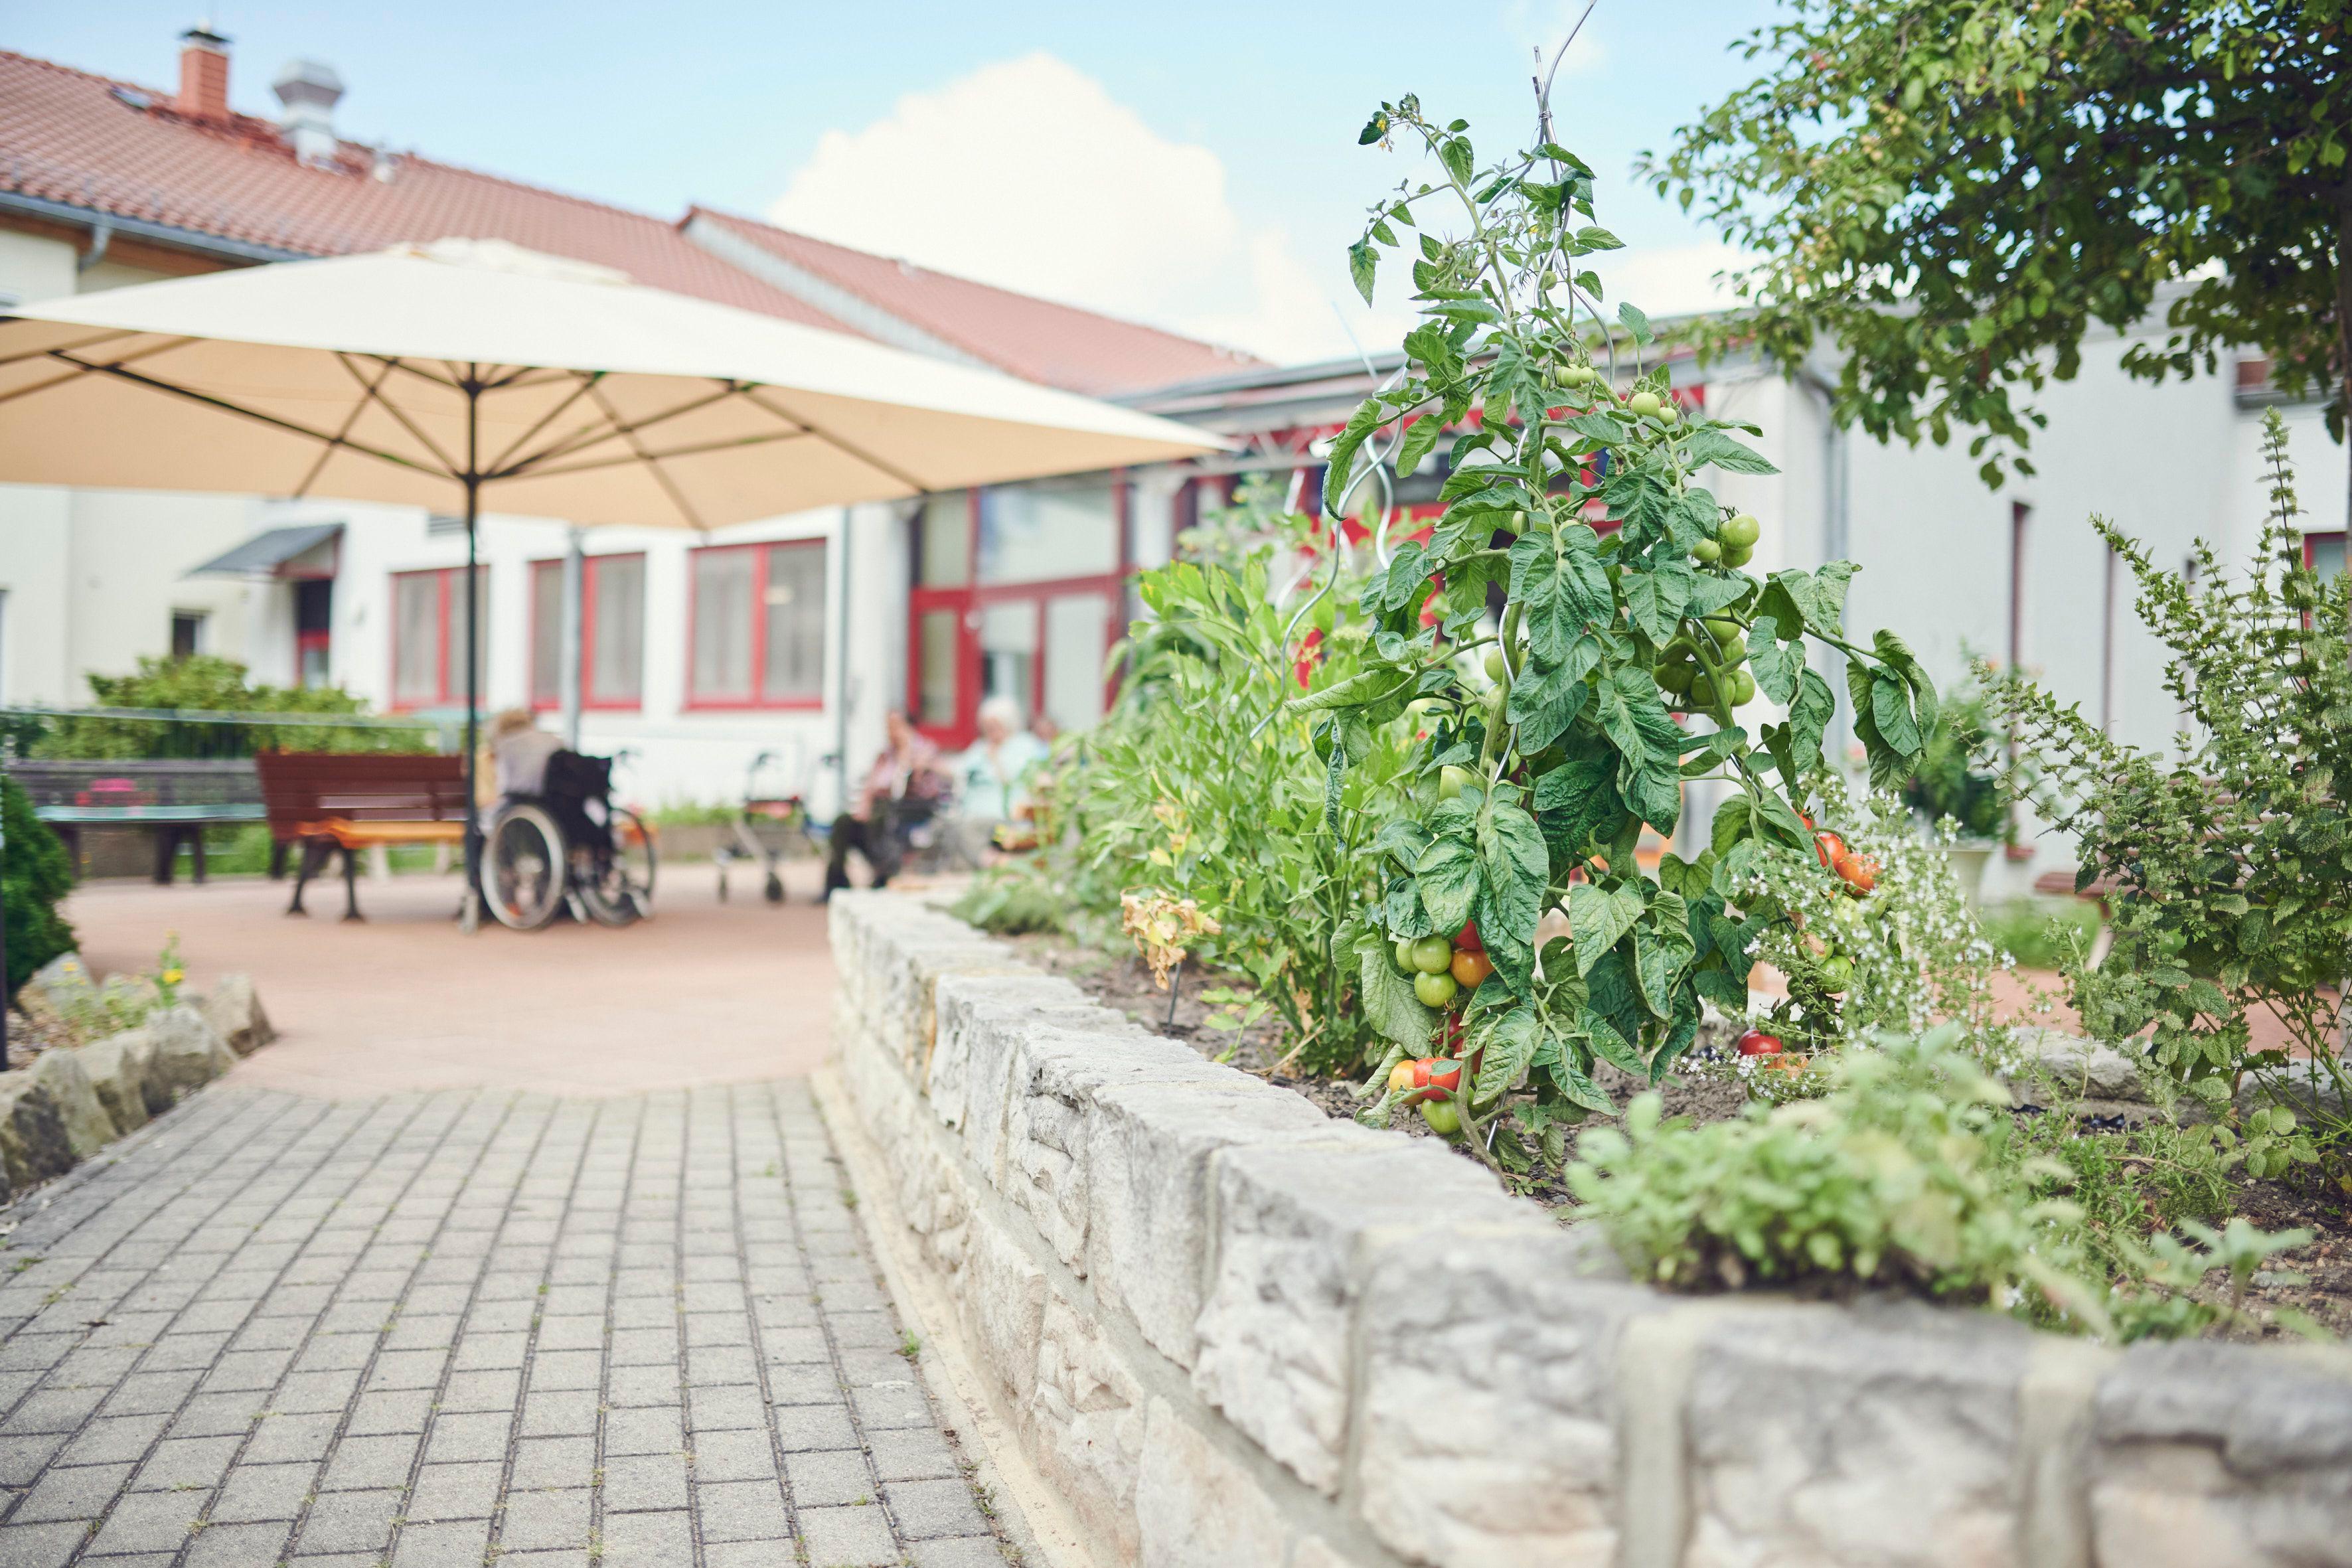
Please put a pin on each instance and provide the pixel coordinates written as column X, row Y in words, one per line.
column 844, row 689
column 567, row 680
column 101, row 237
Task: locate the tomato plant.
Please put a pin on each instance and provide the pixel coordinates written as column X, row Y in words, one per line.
column 1628, row 640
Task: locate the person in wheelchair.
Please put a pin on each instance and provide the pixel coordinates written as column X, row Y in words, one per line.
column 534, row 771
column 902, row 792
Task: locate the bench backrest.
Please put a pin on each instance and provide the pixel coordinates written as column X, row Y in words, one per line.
column 300, row 787
column 134, row 784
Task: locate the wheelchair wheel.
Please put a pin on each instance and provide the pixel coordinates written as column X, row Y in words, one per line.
column 620, row 890
column 775, row 889
column 522, row 867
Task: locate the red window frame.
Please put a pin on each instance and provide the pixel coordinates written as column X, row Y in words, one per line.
column 446, row 598
column 967, row 600
column 589, row 698
column 759, row 701
column 2309, row 539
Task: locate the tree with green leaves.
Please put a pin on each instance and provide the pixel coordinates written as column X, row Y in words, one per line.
column 1954, row 192
column 1614, row 674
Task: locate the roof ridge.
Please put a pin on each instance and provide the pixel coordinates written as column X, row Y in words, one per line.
column 724, row 216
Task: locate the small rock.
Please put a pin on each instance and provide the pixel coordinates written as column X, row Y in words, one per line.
column 33, row 1143
column 2084, row 1066
column 62, row 976
column 189, row 1052
column 234, row 1008
column 121, row 1069
column 89, row 1125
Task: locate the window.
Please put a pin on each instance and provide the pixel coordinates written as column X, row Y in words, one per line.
column 1035, row 532
column 612, row 632
column 187, row 633
column 428, row 635
column 758, row 625
column 2323, row 553
column 314, row 604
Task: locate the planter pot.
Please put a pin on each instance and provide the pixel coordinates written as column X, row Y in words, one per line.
column 1970, row 858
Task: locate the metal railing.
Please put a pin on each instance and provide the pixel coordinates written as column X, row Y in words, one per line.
column 128, row 734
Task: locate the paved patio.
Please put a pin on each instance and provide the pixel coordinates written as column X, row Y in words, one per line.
column 604, row 1303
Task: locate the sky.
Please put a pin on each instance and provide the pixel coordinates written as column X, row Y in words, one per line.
column 1193, row 167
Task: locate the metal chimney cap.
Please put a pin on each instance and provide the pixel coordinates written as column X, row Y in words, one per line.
column 306, row 82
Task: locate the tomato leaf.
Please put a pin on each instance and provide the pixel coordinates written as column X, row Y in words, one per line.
column 1448, row 878
column 1389, row 1003
column 1714, row 447
column 1597, row 919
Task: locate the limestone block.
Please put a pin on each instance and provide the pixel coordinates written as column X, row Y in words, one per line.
column 2085, row 1067
column 1001, row 1297
column 965, row 1004
column 1855, row 1437
column 189, row 1052
column 1486, row 1431
column 1197, row 1507
column 234, row 1008
column 1052, row 1079
column 1087, row 1417
column 1148, row 1192
column 33, row 1143
column 58, row 981
column 89, row 1127
column 121, row 1069
column 913, row 964
column 2214, row 1453
column 1296, row 1227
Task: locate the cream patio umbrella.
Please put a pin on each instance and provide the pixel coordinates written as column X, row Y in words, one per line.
column 468, row 373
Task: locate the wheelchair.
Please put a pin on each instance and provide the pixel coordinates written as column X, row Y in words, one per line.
column 568, row 850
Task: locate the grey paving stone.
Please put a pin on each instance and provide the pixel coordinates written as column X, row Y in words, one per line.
column 928, row 1508
column 363, row 1464
column 545, row 1520
column 541, row 1462
column 282, row 1439
column 652, row 1429
column 805, row 1426
column 647, row 1540
column 405, row 1410
column 349, row 1521
column 560, row 1414
column 80, row 1491
column 847, row 1538
column 216, row 1415
column 40, row 1545
column 103, row 1441
column 891, row 1407
column 723, row 1409
column 467, row 1434
column 829, row 1478
column 635, row 1482
column 462, row 1545
column 147, row 1521
column 734, row 1455
column 220, row 1545
column 553, row 1370
column 263, row 1491
column 740, row 1511
column 457, row 1491
column 184, row 1462
column 910, row 1456
column 968, row 1551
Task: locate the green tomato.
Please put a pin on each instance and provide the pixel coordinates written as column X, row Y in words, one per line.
column 1702, row 691
column 1837, row 972
column 1404, row 956
column 1733, row 652
column 1741, row 529
column 1450, row 781
column 1496, row 666
column 1849, row 912
column 1444, row 1118
column 1435, row 990
column 1644, row 404
column 1743, row 688
column 1707, row 551
column 1737, row 554
column 1433, row 955
column 1668, row 414
column 1676, row 677
column 1722, row 628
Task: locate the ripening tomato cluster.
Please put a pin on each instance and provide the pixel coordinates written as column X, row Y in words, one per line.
column 1442, row 972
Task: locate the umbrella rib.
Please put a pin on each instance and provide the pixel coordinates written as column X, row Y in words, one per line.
column 587, row 379
column 676, row 496
column 375, row 395
column 349, row 419
column 105, row 337
column 593, row 464
column 256, row 415
column 83, row 368
column 396, row 362
column 814, row 429
column 617, row 426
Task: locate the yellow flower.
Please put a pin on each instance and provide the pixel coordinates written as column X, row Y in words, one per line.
column 173, row 976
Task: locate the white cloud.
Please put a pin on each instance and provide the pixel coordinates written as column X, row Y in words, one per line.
column 1542, row 24
column 1028, row 174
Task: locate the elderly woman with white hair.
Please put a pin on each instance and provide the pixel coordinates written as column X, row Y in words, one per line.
column 992, row 774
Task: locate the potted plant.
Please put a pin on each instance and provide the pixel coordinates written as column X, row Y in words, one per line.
column 1948, row 783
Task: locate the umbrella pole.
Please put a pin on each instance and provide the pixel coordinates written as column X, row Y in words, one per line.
column 469, row 915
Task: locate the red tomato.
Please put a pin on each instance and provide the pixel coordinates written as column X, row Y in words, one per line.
column 1466, row 940
column 1756, row 1042
column 1861, row 875
column 1400, row 1077
column 1471, row 969
column 1829, row 849
column 1426, row 1075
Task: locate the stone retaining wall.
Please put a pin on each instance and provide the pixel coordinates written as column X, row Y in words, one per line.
column 1230, row 1331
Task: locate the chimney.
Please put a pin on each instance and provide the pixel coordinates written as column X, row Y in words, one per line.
column 204, row 74
column 308, row 91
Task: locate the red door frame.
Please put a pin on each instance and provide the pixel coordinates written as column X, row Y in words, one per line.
column 757, row 698
column 589, row 700
column 966, row 601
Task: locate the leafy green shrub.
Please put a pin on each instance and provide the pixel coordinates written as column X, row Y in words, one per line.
column 1949, row 780
column 1909, row 1173
column 208, row 684
column 2232, row 867
column 2042, row 933
column 34, row 878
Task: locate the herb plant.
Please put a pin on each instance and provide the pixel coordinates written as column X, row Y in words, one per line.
column 2231, row 869
column 1628, row 640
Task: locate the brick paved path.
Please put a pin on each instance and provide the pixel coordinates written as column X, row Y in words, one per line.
column 461, row 1327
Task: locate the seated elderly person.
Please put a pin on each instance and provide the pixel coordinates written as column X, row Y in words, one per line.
column 904, row 786
column 992, row 774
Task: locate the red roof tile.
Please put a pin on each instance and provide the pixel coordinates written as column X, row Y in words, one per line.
column 1037, row 340
column 68, row 136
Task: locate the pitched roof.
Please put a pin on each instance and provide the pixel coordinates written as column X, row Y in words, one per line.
column 109, row 147
column 1037, row 340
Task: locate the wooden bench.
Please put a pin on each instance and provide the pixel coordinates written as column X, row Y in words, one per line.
column 323, row 802
column 175, row 800
column 2060, row 885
